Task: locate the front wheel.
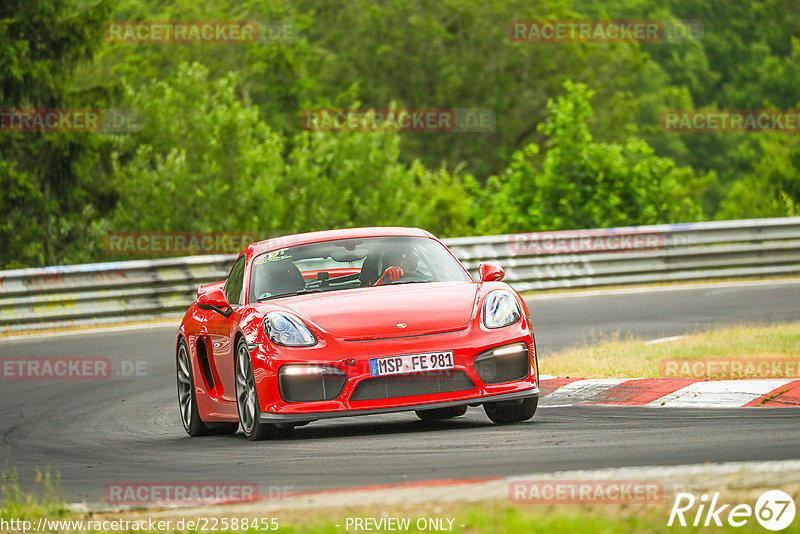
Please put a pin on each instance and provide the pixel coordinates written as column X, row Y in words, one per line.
column 247, row 400
column 507, row 412
column 187, row 400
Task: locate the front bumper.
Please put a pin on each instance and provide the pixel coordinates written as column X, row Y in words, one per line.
column 308, row 417
column 466, row 345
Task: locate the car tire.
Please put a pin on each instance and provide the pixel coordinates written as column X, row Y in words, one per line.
column 508, row 412
column 187, row 399
column 247, row 400
column 438, row 414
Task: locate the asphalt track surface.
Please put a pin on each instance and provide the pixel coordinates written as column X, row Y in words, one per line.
column 93, row 433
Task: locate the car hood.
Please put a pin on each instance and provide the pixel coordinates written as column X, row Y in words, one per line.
column 391, row 311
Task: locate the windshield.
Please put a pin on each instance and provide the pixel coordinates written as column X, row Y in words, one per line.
column 352, row 263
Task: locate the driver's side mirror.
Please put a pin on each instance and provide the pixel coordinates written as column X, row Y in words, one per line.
column 490, row 272
column 214, row 299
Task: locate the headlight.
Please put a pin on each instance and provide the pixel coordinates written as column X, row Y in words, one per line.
column 288, row 330
column 500, row 309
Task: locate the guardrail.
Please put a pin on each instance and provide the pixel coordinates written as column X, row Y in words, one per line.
column 99, row 293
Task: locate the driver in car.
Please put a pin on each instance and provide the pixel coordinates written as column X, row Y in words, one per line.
column 400, row 265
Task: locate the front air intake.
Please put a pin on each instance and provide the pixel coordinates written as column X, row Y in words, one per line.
column 389, row 387
column 503, row 364
column 301, row 383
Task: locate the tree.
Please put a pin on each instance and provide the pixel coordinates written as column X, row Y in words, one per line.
column 579, row 183
column 337, row 179
column 773, row 189
column 203, row 161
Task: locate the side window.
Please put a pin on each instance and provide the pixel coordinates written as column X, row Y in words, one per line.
column 233, row 287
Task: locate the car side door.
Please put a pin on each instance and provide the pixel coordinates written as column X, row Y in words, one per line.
column 221, row 331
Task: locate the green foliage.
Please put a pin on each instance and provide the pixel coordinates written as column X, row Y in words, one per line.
column 579, row 183
column 44, row 501
column 222, row 147
column 45, row 192
column 424, row 53
column 773, row 189
column 202, row 161
column 42, row 43
column 336, row 179
column 357, row 179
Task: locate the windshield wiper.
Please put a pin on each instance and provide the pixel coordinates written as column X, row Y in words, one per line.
column 292, row 294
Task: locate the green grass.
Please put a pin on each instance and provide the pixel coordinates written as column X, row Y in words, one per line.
column 16, row 504
column 487, row 517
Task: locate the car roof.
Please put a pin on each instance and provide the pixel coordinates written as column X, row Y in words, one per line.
column 274, row 243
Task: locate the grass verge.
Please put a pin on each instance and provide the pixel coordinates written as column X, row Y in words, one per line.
column 490, row 516
column 616, row 358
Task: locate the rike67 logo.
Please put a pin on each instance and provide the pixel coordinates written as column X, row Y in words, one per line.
column 774, row 510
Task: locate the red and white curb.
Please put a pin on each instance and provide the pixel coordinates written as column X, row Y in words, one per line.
column 669, row 392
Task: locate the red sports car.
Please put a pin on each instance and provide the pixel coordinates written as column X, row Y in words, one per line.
column 352, row 322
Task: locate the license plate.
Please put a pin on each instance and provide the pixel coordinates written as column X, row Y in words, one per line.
column 411, row 363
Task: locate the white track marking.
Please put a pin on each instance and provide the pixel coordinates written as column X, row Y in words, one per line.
column 581, row 391
column 719, row 393
column 664, row 340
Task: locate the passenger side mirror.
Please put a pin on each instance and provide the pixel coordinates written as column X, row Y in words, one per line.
column 214, row 299
column 490, row 272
